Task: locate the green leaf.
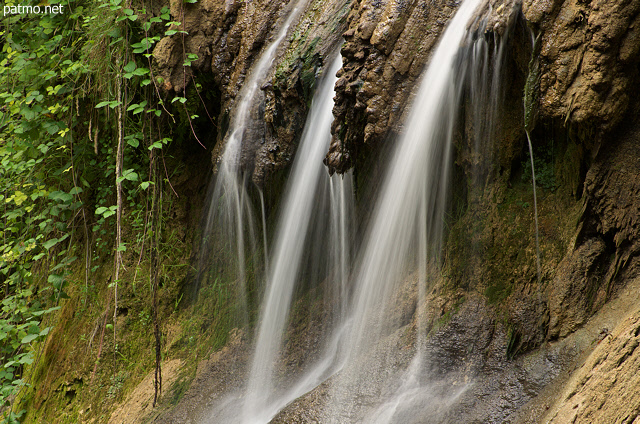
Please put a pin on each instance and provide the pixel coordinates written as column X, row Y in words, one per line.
column 130, row 67
column 44, row 312
column 141, row 71
column 130, row 175
column 29, row 338
column 56, row 280
column 26, row 359
column 50, row 243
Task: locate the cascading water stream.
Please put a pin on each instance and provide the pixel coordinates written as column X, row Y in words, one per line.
column 229, row 207
column 417, row 178
column 312, row 238
column 406, row 234
column 300, row 200
column 402, row 247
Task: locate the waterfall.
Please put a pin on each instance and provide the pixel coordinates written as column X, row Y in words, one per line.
column 230, row 225
column 307, row 175
column 312, row 239
column 399, row 259
column 405, row 234
column 415, row 187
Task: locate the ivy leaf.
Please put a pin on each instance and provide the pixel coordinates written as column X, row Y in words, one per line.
column 141, row 71
column 130, row 67
column 26, row 358
column 130, row 175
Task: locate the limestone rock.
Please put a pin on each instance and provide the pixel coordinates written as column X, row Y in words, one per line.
column 589, row 56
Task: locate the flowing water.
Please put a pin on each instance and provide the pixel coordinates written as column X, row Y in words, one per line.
column 406, row 234
column 414, row 194
column 399, row 257
column 307, row 175
column 230, row 227
column 311, row 245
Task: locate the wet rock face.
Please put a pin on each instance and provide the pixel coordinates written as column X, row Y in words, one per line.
column 608, row 239
column 588, row 56
column 467, row 375
column 613, row 191
column 572, row 295
column 386, row 46
column 290, row 88
column 228, row 37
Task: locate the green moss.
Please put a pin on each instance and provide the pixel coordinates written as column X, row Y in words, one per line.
column 497, row 292
column 532, row 88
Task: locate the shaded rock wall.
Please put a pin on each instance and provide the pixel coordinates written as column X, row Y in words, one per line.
column 386, row 47
column 289, row 92
column 228, row 38
column 226, row 35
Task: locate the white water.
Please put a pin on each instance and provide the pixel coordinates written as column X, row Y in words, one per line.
column 418, row 178
column 231, row 224
column 293, row 226
column 313, row 232
column 404, row 235
column 406, row 229
column 250, row 88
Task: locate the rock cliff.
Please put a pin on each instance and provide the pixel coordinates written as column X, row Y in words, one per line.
column 581, row 60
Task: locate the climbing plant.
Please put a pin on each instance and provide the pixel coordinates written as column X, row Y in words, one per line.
column 81, row 124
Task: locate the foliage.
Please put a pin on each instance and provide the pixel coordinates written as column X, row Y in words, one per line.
column 80, row 140
column 544, row 166
column 39, row 199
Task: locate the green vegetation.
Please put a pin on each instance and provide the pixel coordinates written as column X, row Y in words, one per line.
column 86, row 169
